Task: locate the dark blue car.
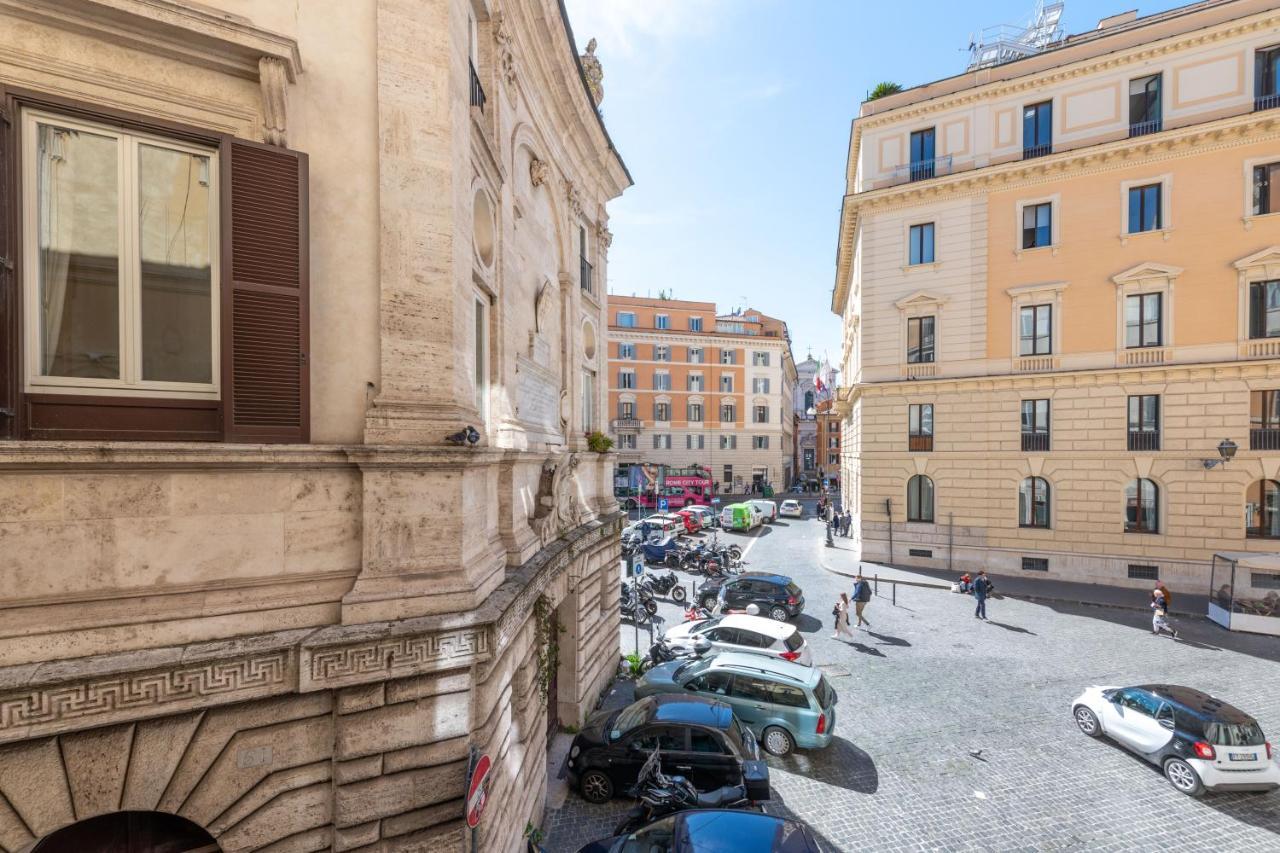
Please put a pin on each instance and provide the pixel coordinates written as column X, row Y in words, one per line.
column 713, row 831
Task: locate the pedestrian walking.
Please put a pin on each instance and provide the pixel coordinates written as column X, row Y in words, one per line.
column 841, row 614
column 1160, row 612
column 861, row 595
column 848, row 522
column 982, row 587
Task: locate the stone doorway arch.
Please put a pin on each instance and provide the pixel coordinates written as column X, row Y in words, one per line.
column 129, row 832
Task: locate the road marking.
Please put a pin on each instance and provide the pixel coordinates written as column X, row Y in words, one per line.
column 754, row 539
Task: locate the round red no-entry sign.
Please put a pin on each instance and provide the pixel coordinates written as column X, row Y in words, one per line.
column 476, row 791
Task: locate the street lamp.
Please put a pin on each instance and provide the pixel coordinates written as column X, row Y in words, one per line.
column 1226, row 449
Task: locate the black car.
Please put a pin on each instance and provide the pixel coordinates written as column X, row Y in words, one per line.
column 714, row 829
column 777, row 596
column 699, row 738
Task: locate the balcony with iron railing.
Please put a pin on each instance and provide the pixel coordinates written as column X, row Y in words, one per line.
column 625, row 423
column 1035, row 442
column 1266, row 438
column 585, row 275
column 1266, row 102
column 1032, row 151
column 1142, row 128
column 1143, row 439
column 921, row 170
column 477, row 90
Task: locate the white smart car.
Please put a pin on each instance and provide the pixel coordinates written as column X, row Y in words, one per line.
column 741, row 633
column 1201, row 743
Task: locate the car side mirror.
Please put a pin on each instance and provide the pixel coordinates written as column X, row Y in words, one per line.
column 1109, row 695
column 1166, row 723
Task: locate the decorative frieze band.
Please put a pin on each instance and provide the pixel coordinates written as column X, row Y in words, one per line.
column 325, row 668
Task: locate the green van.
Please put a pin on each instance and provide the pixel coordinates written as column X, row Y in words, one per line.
column 740, row 517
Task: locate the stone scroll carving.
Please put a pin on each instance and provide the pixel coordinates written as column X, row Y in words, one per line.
column 559, row 506
column 539, row 172
column 506, row 55
column 273, row 75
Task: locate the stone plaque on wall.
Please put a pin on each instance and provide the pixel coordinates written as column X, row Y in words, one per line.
column 537, row 396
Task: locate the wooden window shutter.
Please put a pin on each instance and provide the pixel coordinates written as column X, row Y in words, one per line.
column 10, row 331
column 265, row 371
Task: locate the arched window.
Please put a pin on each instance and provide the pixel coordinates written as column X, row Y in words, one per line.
column 1142, row 507
column 1262, row 509
column 920, row 498
column 1033, row 502
column 808, row 401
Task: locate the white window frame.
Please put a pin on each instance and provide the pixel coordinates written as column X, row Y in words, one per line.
column 1025, row 296
column 1055, row 235
column 694, row 379
column 907, row 266
column 480, row 321
column 1166, row 207
column 759, row 358
column 1248, row 216
column 627, row 441
column 699, row 358
column 662, row 352
column 662, row 321
column 695, row 324
column 664, row 384
column 726, row 378
column 627, row 386
column 1259, row 266
column 756, row 385
column 760, row 442
column 620, row 314
column 627, row 351
column 588, row 400
column 1139, row 280
column 130, row 383
column 731, row 353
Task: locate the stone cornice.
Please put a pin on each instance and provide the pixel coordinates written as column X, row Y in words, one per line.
column 82, row 455
column 1214, row 371
column 1192, row 140
column 221, row 41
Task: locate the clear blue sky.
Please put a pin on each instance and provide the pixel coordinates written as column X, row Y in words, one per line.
column 733, row 116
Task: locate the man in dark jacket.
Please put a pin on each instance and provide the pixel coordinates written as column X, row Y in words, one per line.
column 982, row 587
column 861, row 595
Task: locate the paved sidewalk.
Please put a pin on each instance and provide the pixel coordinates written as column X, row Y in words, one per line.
column 840, row 560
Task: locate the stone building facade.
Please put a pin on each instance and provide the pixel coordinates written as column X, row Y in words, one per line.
column 817, row 453
column 301, row 317
column 688, row 386
column 1054, row 276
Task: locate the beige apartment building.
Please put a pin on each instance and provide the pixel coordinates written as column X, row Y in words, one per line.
column 301, row 329
column 1059, row 278
column 689, row 386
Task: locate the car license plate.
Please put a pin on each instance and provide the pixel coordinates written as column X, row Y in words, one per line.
column 1242, row 756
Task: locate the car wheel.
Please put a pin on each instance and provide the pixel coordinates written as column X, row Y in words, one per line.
column 678, row 594
column 596, row 787
column 1183, row 777
column 1087, row 721
column 778, row 741
column 708, row 603
column 778, row 613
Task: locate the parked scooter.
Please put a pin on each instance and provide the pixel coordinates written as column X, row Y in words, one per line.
column 662, row 652
column 637, row 602
column 668, row 585
column 660, row 795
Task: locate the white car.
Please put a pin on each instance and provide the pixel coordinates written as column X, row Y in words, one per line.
column 741, row 633
column 705, row 513
column 791, row 509
column 1201, row 743
column 768, row 510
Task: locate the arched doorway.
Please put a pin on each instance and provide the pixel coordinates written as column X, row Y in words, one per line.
column 129, row 832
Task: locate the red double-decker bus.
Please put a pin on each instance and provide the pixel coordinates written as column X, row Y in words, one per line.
column 681, row 487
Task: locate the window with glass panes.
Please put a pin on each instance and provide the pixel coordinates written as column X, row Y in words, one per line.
column 1144, row 320
column 760, row 385
column 1264, row 420
column 662, row 381
column 1035, row 330
column 920, row 348
column 1037, row 225
column 695, row 411
column 760, row 442
column 694, row 382
column 1144, row 422
column 761, row 415
column 661, row 321
column 1264, row 309
column 626, row 410
column 922, row 154
column 1266, row 78
column 1033, row 502
column 1037, row 129
column 695, row 355
column 1035, row 425
column 726, row 383
column 920, row 239
column 1266, row 189
column 626, row 379
column 920, row 498
column 627, row 351
column 1144, row 105
column 728, row 413
column 1144, row 208
column 695, row 324
column 1262, row 509
column 920, row 426
column 662, row 411
column 1142, row 507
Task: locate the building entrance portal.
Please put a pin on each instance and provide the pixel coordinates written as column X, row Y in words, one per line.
column 130, row 832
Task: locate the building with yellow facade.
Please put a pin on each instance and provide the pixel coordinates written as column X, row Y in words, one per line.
column 1059, row 279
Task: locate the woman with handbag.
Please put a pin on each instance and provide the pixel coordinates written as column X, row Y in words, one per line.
column 841, row 614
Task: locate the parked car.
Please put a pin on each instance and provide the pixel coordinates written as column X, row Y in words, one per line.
column 692, row 520
column 776, row 596
column 742, row 633
column 698, row 736
column 680, row 525
column 1201, row 743
column 768, row 509
column 706, row 515
column 657, row 524
column 791, row 509
column 713, row 830
column 784, row 704
column 741, row 516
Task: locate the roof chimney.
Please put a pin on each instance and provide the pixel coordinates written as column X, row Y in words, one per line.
column 1117, row 20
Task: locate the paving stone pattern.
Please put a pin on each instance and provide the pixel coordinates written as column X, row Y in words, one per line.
column 929, row 684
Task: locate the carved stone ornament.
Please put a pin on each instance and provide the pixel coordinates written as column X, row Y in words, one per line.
column 604, row 236
column 273, row 75
column 506, row 57
column 593, row 71
column 559, row 506
column 539, row 172
column 573, row 197
column 542, row 308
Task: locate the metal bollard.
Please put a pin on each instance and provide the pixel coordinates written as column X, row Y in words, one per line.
column 895, row 593
column 877, row 586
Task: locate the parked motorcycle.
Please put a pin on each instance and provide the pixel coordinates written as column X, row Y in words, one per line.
column 660, row 795
column 662, row 652
column 668, row 585
column 635, row 598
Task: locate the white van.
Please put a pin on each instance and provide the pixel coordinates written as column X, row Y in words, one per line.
column 768, row 510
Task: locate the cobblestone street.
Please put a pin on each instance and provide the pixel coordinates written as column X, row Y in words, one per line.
column 928, row 684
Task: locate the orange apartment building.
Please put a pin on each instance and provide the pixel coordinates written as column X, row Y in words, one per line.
column 689, row 386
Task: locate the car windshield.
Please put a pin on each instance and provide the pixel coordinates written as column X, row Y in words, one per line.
column 740, row 832
column 823, row 693
column 793, row 641
column 1234, row 734
column 691, row 669
column 630, row 717
column 657, row 837
column 705, row 625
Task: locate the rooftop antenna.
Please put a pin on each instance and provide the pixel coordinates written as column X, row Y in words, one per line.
column 1006, row 43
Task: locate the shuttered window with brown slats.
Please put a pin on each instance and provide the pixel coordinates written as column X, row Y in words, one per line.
column 264, row 299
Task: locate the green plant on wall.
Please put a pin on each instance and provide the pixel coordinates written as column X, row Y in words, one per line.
column 546, row 643
column 883, row 89
column 634, row 665
column 598, row 442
